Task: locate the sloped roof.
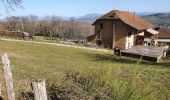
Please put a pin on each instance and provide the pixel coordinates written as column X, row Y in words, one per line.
column 163, row 34
column 91, row 37
column 128, row 18
column 152, row 31
column 26, row 34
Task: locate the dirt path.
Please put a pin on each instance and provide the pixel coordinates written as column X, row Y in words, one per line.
column 57, row 44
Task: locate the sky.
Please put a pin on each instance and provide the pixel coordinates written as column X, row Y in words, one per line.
column 69, row 8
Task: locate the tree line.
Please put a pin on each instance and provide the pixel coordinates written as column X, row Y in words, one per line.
column 51, row 26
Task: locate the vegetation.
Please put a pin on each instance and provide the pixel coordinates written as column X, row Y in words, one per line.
column 45, row 39
column 11, row 4
column 53, row 27
column 81, row 74
column 72, row 28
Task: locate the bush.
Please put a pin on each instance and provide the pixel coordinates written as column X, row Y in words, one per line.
column 76, row 86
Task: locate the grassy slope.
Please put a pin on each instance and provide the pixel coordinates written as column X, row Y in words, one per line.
column 32, row 61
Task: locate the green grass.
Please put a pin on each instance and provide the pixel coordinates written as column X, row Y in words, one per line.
column 125, row 77
column 44, row 39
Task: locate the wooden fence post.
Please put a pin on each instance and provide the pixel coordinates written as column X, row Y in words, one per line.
column 8, row 76
column 39, row 89
column 0, row 90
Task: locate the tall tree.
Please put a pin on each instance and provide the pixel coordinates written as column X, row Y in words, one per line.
column 11, row 4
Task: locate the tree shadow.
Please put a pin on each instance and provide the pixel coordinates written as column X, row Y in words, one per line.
column 113, row 58
column 129, row 60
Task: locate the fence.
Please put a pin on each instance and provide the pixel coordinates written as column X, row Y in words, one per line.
column 38, row 87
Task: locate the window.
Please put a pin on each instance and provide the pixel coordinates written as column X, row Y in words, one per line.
column 129, row 33
column 98, row 35
column 101, row 26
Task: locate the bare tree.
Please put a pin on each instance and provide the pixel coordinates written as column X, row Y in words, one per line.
column 12, row 23
column 53, row 27
column 11, row 4
column 32, row 24
column 49, row 26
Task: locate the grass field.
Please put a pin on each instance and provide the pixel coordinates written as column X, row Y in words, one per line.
column 43, row 39
column 110, row 77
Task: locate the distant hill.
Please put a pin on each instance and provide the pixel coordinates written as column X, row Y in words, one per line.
column 89, row 18
column 93, row 17
column 159, row 18
column 145, row 13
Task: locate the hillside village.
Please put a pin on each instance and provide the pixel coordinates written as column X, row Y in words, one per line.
column 119, row 55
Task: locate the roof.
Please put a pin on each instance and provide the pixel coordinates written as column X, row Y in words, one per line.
column 164, row 34
column 152, row 31
column 91, row 37
column 26, row 34
column 128, row 18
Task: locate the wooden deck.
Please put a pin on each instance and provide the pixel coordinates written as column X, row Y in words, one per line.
column 148, row 53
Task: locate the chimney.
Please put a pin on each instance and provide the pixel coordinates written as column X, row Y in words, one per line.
column 133, row 16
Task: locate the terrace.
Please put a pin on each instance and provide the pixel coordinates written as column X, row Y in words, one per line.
column 149, row 53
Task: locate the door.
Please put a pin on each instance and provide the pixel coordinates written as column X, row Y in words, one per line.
column 99, row 42
column 129, row 40
column 140, row 40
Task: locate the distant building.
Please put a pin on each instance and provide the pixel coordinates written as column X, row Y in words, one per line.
column 122, row 29
column 163, row 37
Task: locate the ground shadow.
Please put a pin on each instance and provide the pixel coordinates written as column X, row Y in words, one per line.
column 26, row 96
column 129, row 60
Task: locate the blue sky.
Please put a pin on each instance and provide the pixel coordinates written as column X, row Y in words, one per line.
column 82, row 7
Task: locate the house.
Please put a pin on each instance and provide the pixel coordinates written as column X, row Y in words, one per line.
column 122, row 29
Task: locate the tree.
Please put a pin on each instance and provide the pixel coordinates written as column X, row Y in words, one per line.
column 51, row 26
column 11, row 4
column 12, row 23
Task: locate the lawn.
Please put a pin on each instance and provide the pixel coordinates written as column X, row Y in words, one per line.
column 44, row 39
column 115, row 77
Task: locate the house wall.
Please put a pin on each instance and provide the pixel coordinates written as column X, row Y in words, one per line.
column 120, row 34
column 121, row 30
column 106, row 32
